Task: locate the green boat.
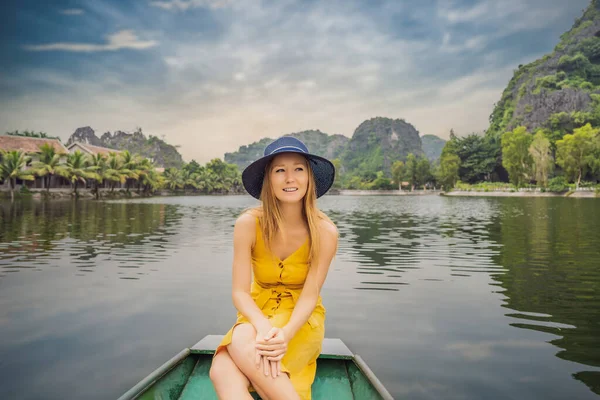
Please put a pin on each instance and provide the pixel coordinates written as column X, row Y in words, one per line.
column 340, row 375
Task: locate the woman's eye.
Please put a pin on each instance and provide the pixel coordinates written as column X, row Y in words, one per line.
column 300, row 168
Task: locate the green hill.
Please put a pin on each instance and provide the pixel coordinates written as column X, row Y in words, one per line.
column 560, row 91
column 319, row 143
column 432, row 146
column 377, row 143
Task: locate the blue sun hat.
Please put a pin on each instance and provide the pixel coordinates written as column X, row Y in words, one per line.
column 254, row 174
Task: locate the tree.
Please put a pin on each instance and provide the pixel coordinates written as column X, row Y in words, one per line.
column 97, row 164
column 193, row 167
column 423, row 171
column 448, row 170
column 411, row 171
column 77, row 170
column 574, row 152
column 398, row 173
column 478, row 157
column 12, row 168
column 595, row 157
column 48, row 165
column 116, row 172
column 148, row 178
column 337, row 163
column 541, row 154
column 173, row 178
column 515, row 154
column 381, row 182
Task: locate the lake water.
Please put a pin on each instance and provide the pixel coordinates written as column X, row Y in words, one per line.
column 444, row 298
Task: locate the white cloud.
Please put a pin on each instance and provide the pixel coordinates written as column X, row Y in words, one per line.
column 504, row 17
column 125, row 39
column 472, row 14
column 183, row 5
column 477, row 351
column 268, row 72
column 471, row 44
column 72, row 11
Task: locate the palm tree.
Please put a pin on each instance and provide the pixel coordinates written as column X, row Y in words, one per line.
column 48, row 164
column 97, row 164
column 148, row 178
column 173, row 178
column 11, row 168
column 188, row 179
column 78, row 170
column 116, row 171
column 130, row 163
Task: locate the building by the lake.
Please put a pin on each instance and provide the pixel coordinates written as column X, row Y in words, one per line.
column 31, row 147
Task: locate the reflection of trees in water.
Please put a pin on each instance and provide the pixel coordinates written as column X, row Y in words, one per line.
column 551, row 252
column 33, row 232
column 377, row 238
column 387, row 244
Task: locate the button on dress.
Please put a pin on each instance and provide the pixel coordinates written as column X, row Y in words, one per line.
column 276, row 287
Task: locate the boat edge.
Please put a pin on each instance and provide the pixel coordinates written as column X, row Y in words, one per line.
column 155, row 375
column 364, row 368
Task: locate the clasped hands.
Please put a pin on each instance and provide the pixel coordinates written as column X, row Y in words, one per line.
column 270, row 349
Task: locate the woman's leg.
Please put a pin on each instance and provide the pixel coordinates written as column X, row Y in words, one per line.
column 242, row 352
column 228, row 380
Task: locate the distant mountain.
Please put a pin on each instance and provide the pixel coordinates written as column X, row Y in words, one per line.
column 374, row 146
column 163, row 154
column 432, row 146
column 378, row 142
column 319, row 143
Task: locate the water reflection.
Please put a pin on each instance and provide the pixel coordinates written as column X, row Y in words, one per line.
column 409, row 291
column 551, row 252
column 386, row 243
column 86, row 234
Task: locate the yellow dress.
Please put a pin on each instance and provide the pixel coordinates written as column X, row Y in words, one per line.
column 276, row 287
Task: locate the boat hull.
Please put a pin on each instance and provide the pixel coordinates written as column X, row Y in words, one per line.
column 340, row 375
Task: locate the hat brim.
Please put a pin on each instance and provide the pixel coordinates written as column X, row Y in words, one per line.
column 323, row 171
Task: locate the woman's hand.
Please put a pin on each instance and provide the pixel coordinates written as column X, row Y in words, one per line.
column 271, row 348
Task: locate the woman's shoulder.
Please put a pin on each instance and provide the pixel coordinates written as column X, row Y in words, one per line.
column 245, row 227
column 247, row 219
column 326, row 224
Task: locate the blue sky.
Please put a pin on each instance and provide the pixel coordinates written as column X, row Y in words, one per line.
column 211, row 75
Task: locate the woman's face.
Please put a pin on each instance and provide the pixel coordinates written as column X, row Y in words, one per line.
column 289, row 177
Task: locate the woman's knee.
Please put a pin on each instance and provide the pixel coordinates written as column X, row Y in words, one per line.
column 221, row 368
column 242, row 341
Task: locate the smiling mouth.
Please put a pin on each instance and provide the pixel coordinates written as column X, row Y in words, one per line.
column 290, row 190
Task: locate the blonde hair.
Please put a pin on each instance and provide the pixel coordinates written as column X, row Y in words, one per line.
column 271, row 219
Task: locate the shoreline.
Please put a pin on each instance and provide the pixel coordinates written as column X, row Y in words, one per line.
column 86, row 194
column 581, row 194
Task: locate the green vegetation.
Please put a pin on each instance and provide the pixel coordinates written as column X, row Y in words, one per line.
column 536, row 135
column 12, row 167
column 541, row 157
column 32, row 134
column 432, row 146
column 576, row 153
column 515, row 155
column 367, row 160
column 527, row 159
column 126, row 169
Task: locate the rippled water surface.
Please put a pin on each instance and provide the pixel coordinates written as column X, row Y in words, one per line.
column 453, row 298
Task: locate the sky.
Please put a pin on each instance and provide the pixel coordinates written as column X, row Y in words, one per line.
column 213, row 75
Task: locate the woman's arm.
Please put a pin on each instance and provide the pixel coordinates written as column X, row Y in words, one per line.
column 243, row 237
column 314, row 280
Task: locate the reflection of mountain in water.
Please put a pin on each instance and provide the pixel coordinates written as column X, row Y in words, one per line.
column 553, row 281
column 83, row 233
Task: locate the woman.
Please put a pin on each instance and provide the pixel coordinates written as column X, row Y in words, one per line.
column 287, row 244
